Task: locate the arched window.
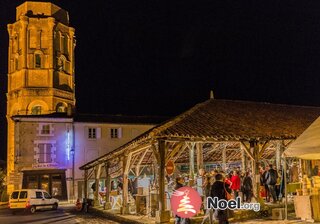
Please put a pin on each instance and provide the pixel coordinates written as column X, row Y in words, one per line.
column 61, row 108
column 62, row 63
column 36, row 110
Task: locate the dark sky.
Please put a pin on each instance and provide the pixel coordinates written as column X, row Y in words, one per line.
column 160, row 57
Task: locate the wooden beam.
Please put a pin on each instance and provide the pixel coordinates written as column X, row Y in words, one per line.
column 156, row 152
column 224, row 159
column 97, row 173
column 247, row 150
column 174, row 151
column 124, row 160
column 180, row 152
column 107, row 182
column 85, row 184
column 243, row 159
column 263, row 148
column 161, row 175
column 191, row 161
column 199, row 156
column 140, row 161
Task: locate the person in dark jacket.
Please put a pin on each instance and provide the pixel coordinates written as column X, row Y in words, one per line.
column 271, row 180
column 218, row 190
column 247, row 187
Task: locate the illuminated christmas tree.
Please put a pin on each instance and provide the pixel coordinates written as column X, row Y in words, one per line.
column 185, row 205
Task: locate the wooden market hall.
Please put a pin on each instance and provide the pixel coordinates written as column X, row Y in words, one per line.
column 219, row 132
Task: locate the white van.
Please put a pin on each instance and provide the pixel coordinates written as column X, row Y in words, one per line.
column 32, row 199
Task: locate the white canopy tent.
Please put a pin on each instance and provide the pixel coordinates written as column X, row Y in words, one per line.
column 307, row 145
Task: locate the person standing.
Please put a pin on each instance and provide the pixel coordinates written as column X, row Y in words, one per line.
column 247, row 187
column 263, row 182
column 218, row 190
column 271, row 180
column 236, row 183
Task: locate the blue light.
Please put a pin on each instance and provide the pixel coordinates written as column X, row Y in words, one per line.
column 68, row 145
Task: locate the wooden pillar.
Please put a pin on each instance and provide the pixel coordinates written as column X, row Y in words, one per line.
column 285, row 190
column 125, row 189
column 243, row 159
column 224, row 159
column 199, row 156
column 97, row 172
column 107, row 182
column 191, row 163
column 85, row 184
column 163, row 216
column 278, row 155
column 255, row 169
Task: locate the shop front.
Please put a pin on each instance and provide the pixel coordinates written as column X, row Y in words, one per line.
column 53, row 181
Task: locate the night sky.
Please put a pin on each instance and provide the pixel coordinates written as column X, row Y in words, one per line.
column 161, row 57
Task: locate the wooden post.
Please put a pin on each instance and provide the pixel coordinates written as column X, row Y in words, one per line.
column 199, row 156
column 85, row 184
column 224, row 159
column 125, row 189
column 107, row 182
column 163, row 216
column 97, row 172
column 191, row 161
column 161, row 176
column 278, row 155
column 285, row 190
column 255, row 169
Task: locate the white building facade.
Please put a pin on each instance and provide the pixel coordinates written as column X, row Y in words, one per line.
column 50, row 148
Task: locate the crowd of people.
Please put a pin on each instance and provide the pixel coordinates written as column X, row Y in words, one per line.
column 233, row 184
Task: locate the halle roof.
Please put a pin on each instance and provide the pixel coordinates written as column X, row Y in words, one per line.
column 227, row 120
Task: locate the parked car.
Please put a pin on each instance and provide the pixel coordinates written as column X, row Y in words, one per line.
column 32, row 200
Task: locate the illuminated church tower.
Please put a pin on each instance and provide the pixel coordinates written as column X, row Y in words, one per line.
column 40, row 67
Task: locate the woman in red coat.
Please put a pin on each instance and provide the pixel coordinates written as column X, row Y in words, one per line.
column 236, row 184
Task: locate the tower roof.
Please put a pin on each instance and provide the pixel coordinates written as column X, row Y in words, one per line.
column 42, row 9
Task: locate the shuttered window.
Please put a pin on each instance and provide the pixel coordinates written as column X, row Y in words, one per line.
column 44, row 153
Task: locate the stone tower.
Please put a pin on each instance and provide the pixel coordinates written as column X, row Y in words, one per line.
column 40, row 67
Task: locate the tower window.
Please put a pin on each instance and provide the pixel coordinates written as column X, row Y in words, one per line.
column 61, row 108
column 36, row 110
column 37, row 61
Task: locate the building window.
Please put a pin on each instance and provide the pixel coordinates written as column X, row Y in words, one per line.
column 37, row 60
column 36, row 110
column 115, row 133
column 44, row 153
column 61, row 109
column 92, row 133
column 45, row 130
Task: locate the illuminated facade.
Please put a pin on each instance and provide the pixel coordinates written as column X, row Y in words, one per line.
column 40, row 68
column 47, row 142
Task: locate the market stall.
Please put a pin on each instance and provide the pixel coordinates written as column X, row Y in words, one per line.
column 307, row 148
